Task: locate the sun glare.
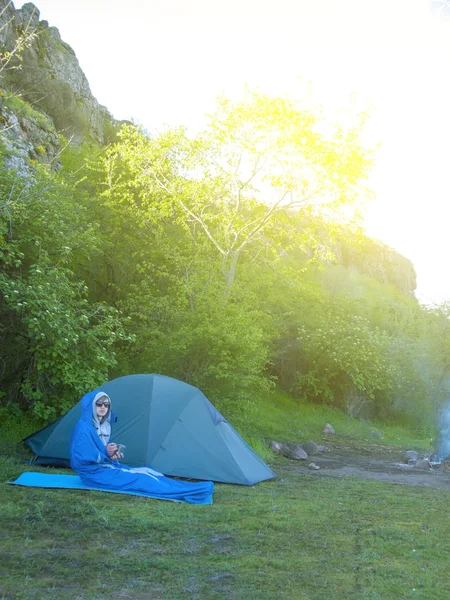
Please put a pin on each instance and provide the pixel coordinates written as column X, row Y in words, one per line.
column 390, row 58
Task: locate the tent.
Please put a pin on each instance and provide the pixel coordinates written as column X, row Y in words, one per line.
column 164, row 423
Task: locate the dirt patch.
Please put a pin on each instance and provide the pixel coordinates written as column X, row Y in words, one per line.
column 378, row 463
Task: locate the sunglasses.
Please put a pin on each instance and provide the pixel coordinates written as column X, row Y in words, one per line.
column 98, row 403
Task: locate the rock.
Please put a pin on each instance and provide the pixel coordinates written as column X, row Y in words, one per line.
column 49, row 93
column 294, row 451
column 423, row 463
column 377, row 433
column 310, row 447
column 445, row 466
column 327, row 428
column 411, row 454
column 313, row 466
column 322, row 448
column 275, row 446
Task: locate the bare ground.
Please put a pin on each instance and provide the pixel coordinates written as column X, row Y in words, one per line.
column 380, row 463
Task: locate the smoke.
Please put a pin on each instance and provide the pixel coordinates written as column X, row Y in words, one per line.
column 443, row 445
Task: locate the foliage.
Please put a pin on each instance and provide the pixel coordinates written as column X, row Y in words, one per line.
column 21, row 108
column 55, row 344
column 237, row 185
column 220, row 348
column 218, row 255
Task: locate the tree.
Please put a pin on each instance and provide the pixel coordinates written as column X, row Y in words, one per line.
column 261, row 163
column 54, row 342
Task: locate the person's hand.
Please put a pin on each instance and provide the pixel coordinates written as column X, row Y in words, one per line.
column 111, row 449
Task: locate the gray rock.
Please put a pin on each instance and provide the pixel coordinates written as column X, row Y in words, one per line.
column 321, row 448
column 53, row 94
column 445, row 466
column 275, row 446
column 294, row 451
column 327, row 428
column 411, row 454
column 313, row 466
column 423, row 463
column 310, row 447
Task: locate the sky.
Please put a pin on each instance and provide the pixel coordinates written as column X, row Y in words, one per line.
column 164, row 62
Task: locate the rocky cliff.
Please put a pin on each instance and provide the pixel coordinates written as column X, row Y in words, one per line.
column 379, row 261
column 44, row 94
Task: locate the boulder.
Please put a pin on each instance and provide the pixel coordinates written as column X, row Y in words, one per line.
column 423, row 463
column 310, row 447
column 294, row 451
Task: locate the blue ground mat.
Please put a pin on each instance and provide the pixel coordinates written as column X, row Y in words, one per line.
column 73, row 482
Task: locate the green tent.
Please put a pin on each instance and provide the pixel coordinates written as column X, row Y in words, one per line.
column 166, row 424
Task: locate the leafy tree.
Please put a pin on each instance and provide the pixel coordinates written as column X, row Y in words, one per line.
column 242, row 179
column 54, row 343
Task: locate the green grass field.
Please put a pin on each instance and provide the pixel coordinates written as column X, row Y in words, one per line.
column 299, row 537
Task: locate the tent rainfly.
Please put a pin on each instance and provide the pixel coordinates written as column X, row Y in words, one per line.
column 166, row 424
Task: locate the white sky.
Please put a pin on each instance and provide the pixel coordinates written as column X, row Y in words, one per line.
column 165, row 61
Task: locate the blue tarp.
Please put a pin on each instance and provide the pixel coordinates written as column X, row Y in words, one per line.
column 73, row 482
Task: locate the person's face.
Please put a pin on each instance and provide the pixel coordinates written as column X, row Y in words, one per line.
column 102, row 406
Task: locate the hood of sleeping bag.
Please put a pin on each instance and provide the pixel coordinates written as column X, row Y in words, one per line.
column 166, row 424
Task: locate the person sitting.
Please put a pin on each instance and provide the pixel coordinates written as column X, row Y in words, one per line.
column 95, row 459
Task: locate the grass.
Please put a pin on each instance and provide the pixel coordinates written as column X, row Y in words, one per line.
column 303, row 536
column 22, row 108
column 281, row 418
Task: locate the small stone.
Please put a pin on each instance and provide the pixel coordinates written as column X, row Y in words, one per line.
column 313, row 466
column 327, row 428
column 411, row 454
column 275, row 446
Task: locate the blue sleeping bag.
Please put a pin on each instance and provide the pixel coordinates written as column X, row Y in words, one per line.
column 90, row 459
